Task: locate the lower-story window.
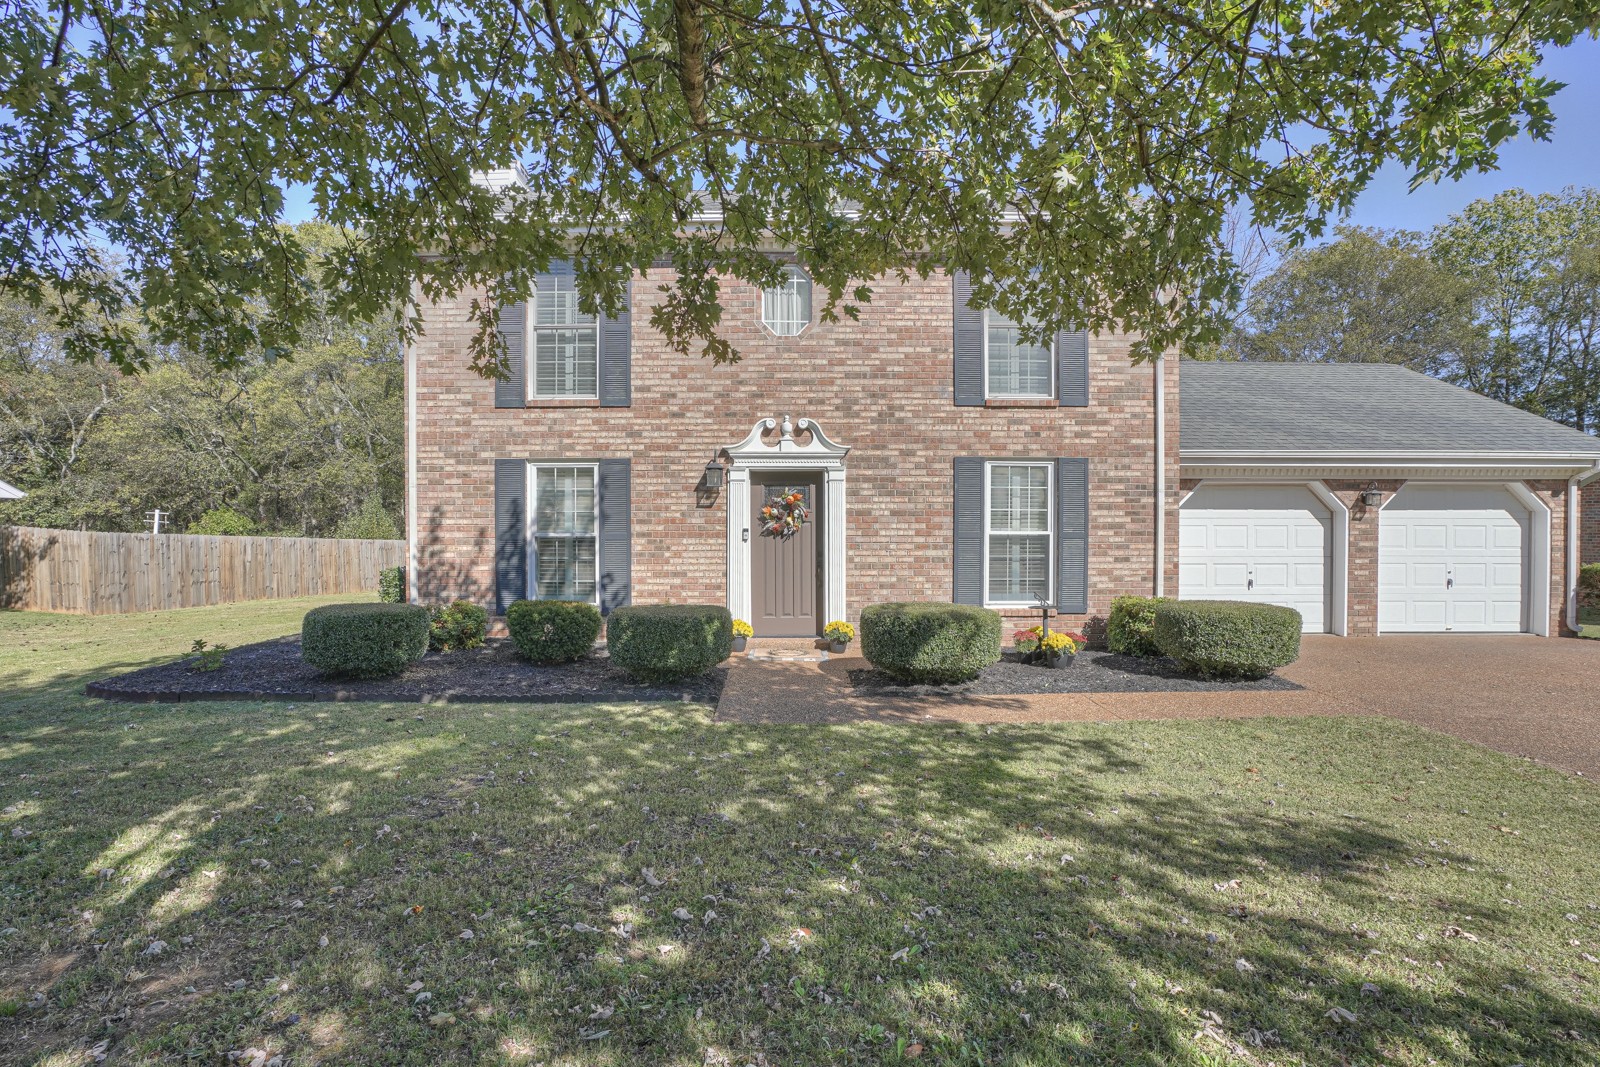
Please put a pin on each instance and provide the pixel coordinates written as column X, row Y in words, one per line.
column 562, row 540
column 1018, row 533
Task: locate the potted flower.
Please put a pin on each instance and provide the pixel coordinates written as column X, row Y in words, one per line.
column 1026, row 643
column 1057, row 649
column 839, row 635
column 742, row 632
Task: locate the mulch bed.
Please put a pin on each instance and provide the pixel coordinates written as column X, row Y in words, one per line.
column 273, row 670
column 1090, row 672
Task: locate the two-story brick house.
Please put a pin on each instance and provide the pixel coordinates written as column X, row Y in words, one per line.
column 939, row 456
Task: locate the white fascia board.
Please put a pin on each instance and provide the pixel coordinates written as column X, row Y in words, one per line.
column 1363, row 462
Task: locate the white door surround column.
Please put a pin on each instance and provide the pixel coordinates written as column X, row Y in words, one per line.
column 786, row 454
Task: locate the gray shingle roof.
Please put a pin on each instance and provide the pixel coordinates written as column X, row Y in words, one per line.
column 1305, row 407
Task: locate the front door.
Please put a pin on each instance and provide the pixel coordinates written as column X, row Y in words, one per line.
column 785, row 568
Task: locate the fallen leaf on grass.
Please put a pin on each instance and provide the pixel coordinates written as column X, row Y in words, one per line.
column 649, row 874
column 1243, row 966
column 1340, row 1015
column 1456, row 931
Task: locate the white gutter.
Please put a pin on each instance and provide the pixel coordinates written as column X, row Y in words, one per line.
column 1574, row 539
column 1389, row 458
column 1161, row 474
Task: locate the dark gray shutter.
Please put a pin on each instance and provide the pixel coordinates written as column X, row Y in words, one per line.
column 616, row 534
column 512, row 390
column 1072, row 368
column 616, row 355
column 510, row 532
column 967, row 337
column 968, row 510
column 1072, row 536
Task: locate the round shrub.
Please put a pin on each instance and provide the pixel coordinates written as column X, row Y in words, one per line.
column 553, row 631
column 667, row 642
column 1228, row 638
column 930, row 643
column 364, row 640
column 460, row 625
column 1131, row 628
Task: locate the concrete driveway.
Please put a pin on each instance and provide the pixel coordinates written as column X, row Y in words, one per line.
column 1525, row 696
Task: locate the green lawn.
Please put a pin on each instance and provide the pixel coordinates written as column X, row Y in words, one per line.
column 1330, row 891
column 1589, row 622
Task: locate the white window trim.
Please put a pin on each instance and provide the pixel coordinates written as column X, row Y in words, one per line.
column 530, row 354
column 1049, row 522
column 989, row 394
column 531, row 525
column 789, row 269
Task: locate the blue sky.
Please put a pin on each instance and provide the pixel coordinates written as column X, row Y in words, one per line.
column 1570, row 157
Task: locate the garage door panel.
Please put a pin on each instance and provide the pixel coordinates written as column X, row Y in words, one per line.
column 1276, row 535
column 1452, row 558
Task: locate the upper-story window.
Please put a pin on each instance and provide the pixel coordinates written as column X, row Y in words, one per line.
column 1014, row 367
column 786, row 310
column 565, row 342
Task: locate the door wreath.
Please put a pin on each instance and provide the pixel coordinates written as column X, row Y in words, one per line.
column 782, row 516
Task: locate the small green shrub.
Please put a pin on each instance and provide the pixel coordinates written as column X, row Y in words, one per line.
column 1589, row 585
column 1131, row 629
column 666, row 642
column 392, row 585
column 553, row 631
column 930, row 642
column 1228, row 638
column 457, row 626
column 205, row 658
column 364, row 640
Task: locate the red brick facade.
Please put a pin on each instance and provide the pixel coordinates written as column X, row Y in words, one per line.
column 881, row 385
column 1589, row 497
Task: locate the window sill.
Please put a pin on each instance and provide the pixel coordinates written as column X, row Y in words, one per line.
column 563, row 402
column 1022, row 402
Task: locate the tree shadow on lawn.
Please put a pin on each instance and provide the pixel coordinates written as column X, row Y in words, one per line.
column 852, row 892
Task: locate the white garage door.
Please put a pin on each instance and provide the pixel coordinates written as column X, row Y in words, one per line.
column 1452, row 558
column 1264, row 543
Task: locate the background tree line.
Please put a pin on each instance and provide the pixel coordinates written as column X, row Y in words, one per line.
column 1503, row 298
column 307, row 444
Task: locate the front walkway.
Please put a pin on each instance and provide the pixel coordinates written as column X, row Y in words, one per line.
column 1526, row 696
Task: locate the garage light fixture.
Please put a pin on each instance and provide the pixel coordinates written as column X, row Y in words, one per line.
column 1372, row 496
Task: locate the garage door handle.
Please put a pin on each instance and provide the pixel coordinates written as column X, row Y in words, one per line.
column 1249, row 583
column 1449, row 583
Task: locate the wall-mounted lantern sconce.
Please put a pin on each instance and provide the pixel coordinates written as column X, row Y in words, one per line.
column 713, row 480
column 1372, row 496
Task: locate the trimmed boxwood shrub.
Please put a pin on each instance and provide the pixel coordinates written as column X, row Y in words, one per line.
column 1131, row 628
column 930, row 643
column 364, row 640
column 667, row 642
column 392, row 585
column 553, row 631
column 1228, row 638
column 462, row 624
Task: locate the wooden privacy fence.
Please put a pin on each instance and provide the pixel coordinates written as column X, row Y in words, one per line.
column 112, row 573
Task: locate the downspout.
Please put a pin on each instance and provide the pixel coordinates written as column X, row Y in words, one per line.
column 1161, row 475
column 408, row 360
column 1574, row 547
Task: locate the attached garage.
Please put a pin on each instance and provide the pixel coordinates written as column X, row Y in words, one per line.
column 1376, row 500
column 1270, row 544
column 1453, row 559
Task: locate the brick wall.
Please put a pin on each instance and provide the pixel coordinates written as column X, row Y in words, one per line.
column 881, row 385
column 1589, row 498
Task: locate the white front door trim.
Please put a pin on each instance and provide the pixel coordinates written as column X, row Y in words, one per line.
column 820, row 453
